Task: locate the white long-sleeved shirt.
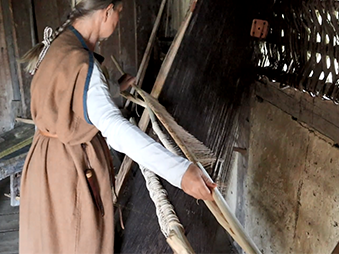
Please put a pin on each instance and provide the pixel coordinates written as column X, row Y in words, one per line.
column 128, row 139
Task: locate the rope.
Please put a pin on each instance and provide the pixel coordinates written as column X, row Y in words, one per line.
column 48, row 38
column 164, row 209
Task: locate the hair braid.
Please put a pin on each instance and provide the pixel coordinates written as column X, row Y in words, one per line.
column 82, row 8
column 70, row 18
column 35, row 56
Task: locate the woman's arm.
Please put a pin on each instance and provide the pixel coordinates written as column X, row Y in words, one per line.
column 127, row 138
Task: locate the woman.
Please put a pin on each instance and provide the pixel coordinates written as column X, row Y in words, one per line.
column 66, row 199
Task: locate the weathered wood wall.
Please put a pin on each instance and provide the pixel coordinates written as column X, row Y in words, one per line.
column 19, row 37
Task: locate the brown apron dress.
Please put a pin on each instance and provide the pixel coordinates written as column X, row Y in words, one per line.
column 57, row 210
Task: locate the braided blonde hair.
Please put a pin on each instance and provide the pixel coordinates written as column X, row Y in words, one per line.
column 82, row 8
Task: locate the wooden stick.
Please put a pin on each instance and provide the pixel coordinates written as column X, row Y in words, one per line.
column 159, row 83
column 169, row 59
column 117, row 65
column 227, row 219
column 178, row 241
column 22, row 120
column 145, row 60
column 9, row 196
column 133, row 99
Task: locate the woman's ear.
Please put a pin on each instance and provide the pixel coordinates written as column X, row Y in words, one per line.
column 109, row 10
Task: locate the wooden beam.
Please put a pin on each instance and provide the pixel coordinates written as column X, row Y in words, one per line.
column 319, row 114
column 16, row 139
column 12, row 166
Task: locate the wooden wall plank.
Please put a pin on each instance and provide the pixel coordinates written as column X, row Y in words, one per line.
column 108, row 47
column 8, row 27
column 51, row 13
column 147, row 12
column 23, row 40
column 46, row 15
column 6, row 94
column 128, row 56
column 64, row 8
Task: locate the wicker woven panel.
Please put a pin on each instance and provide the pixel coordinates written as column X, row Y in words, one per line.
column 302, row 47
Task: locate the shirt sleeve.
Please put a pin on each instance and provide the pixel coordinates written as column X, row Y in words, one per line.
column 128, row 139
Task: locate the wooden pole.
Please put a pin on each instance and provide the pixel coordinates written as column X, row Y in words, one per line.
column 159, row 83
column 23, row 120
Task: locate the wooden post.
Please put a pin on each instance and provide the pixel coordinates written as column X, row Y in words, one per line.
column 6, row 117
column 15, row 189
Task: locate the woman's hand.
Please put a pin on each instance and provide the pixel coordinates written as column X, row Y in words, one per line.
column 196, row 184
column 126, row 81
